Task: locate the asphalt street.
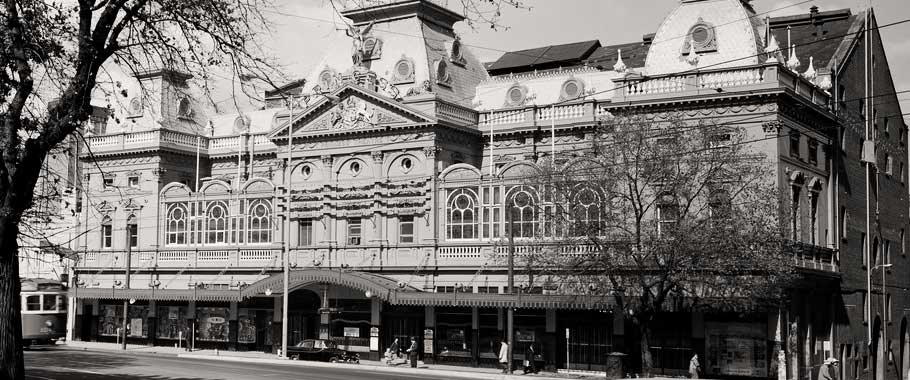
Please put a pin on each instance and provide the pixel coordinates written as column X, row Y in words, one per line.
column 64, row 364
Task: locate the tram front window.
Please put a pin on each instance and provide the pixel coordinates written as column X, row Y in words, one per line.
column 33, row 303
column 50, row 302
column 61, row 303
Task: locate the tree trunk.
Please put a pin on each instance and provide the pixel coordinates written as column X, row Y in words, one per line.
column 644, row 330
column 11, row 358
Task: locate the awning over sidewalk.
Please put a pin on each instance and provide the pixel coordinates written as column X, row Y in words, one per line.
column 156, row 294
column 379, row 286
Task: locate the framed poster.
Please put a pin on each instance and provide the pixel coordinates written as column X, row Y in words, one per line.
column 352, row 332
column 246, row 326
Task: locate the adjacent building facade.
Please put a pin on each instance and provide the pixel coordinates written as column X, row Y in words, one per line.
column 379, row 182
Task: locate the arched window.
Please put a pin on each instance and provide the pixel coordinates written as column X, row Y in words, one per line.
column 461, row 211
column 132, row 231
column 586, row 211
column 522, row 204
column 107, row 232
column 176, row 224
column 260, row 224
column 216, row 223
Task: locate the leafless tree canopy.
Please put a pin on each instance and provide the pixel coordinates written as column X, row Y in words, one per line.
column 681, row 215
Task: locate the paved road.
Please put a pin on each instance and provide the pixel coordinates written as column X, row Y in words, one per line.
column 63, row 364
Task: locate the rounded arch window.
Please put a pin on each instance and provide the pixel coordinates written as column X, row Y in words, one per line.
column 326, row 80
column 515, row 96
column 572, row 89
column 306, row 171
column 355, row 168
column 135, row 107
column 442, row 72
column 404, row 71
column 183, row 109
column 702, row 36
column 407, row 164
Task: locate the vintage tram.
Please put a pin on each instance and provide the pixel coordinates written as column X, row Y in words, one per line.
column 43, row 311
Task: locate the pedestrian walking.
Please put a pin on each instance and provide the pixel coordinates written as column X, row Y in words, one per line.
column 504, row 356
column 530, row 365
column 828, row 370
column 393, row 353
column 694, row 367
column 412, row 352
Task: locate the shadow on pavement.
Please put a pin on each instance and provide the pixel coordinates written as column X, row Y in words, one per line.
column 62, row 374
column 77, row 359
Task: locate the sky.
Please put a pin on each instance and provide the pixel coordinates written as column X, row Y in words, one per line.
column 300, row 28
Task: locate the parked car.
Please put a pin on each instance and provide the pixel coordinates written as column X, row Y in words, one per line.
column 321, row 350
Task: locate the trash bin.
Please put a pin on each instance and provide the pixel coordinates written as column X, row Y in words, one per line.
column 615, row 365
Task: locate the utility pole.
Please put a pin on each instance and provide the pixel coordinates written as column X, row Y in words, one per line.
column 510, row 314
column 126, row 283
column 287, row 235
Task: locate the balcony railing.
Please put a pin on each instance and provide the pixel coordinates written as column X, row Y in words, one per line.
column 373, row 257
column 163, row 138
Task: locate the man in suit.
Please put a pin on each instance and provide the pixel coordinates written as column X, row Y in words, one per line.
column 412, row 352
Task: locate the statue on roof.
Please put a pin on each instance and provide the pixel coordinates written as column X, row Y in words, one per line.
column 358, row 52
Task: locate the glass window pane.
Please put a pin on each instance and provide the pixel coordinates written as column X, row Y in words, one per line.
column 33, row 303
column 50, row 302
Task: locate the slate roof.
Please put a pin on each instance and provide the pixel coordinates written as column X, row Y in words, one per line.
column 543, row 57
column 633, row 55
column 815, row 35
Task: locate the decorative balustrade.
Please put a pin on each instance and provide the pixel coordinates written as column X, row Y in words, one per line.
column 202, row 256
column 225, row 143
column 714, row 81
column 562, row 112
column 809, row 256
column 259, row 254
column 460, row 252
column 502, row 117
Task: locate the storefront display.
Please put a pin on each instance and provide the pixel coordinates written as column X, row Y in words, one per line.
column 246, row 326
column 171, row 322
column 110, row 318
column 737, row 349
column 212, row 323
column 138, row 318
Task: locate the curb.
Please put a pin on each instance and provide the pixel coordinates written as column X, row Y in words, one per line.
column 430, row 373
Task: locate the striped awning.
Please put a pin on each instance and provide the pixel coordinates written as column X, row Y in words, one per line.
column 521, row 301
column 156, row 294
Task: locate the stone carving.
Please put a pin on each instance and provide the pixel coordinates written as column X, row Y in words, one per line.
column 359, row 37
column 772, row 127
column 352, row 113
column 425, row 87
column 327, row 160
column 377, row 156
column 389, row 89
column 430, row 151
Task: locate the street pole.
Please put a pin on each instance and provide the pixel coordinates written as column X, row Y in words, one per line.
column 510, row 314
column 126, row 285
column 287, row 237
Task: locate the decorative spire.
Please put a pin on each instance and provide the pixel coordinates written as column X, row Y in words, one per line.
column 824, row 82
column 620, row 66
column 693, row 56
column 772, row 49
column 810, row 73
column 793, row 63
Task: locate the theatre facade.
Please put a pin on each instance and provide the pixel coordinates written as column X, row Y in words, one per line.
column 379, row 183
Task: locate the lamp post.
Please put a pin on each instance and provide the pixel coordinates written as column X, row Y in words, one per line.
column 126, row 284
column 510, row 313
column 287, row 235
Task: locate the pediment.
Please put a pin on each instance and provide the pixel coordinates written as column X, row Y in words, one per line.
column 355, row 109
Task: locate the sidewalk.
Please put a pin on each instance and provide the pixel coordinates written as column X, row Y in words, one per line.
column 430, row 371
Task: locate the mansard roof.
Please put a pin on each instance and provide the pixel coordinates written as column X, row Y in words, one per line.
column 542, row 58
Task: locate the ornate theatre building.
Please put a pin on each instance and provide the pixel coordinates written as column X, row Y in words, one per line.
column 378, row 182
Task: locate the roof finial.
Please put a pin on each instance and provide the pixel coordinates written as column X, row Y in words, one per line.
column 810, row 73
column 772, row 49
column 793, row 62
column 620, row 66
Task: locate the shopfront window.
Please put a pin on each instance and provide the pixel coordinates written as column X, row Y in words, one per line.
column 171, row 322
column 246, row 326
column 212, row 323
column 110, row 318
column 453, row 332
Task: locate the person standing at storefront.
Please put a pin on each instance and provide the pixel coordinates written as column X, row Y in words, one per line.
column 530, row 365
column 828, row 369
column 504, row 356
column 412, row 352
column 694, row 367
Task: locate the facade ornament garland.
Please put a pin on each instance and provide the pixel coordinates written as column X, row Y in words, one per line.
column 772, row 127
column 326, row 160
column 430, row 151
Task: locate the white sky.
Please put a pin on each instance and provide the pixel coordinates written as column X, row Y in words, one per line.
column 300, row 31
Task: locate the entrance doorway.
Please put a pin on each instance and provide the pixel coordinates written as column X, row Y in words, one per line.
column 303, row 319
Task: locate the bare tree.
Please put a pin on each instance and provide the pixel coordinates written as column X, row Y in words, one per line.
column 677, row 214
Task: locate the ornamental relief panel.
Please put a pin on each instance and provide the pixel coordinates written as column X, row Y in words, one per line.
column 360, row 141
column 351, row 114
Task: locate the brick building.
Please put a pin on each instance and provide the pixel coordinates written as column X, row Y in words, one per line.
column 399, row 168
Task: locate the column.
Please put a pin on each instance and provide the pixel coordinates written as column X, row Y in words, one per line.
column 324, row 318
column 74, row 320
column 475, row 336
column 429, row 333
column 548, row 344
column 152, row 322
column 232, row 327
column 276, row 325
column 190, row 335
column 376, row 348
